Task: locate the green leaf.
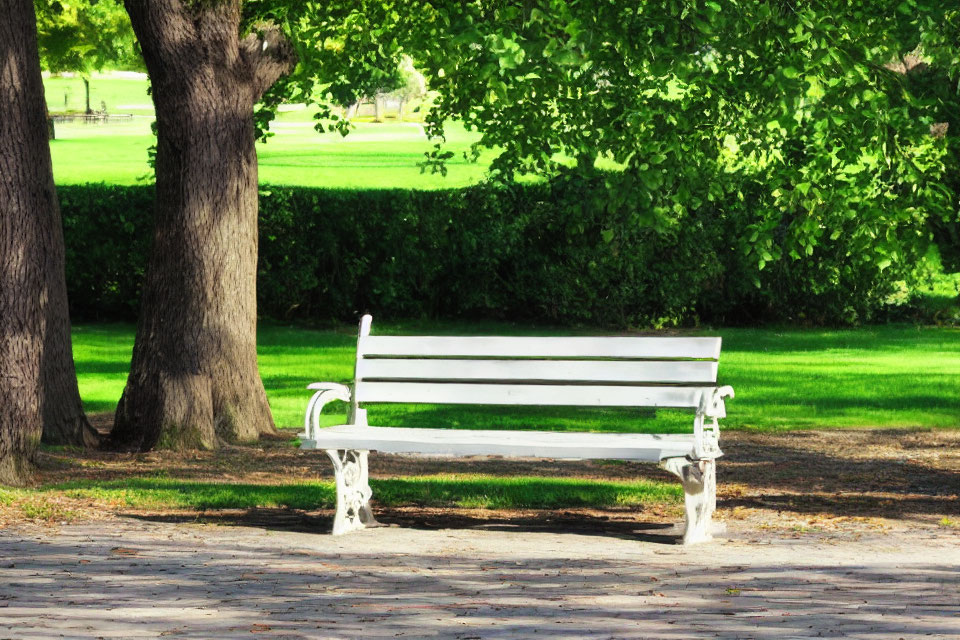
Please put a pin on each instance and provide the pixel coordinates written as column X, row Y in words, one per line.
column 673, row 90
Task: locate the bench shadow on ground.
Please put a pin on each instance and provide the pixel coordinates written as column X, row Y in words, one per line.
column 175, row 585
column 435, row 520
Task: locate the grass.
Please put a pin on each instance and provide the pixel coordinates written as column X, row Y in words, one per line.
column 469, row 491
column 68, row 500
column 121, row 94
column 885, row 376
column 374, row 155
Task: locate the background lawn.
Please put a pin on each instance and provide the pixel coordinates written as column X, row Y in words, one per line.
column 374, row 155
column 384, row 155
column 884, row 376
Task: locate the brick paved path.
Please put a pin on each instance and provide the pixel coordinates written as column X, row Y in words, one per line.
column 126, row 578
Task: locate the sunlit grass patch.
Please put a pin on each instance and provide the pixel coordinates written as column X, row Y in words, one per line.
column 373, row 156
column 37, row 506
column 468, row 491
column 169, row 493
column 478, row 491
column 7, row 496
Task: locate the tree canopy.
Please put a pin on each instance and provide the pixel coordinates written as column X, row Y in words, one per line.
column 791, row 108
column 85, row 35
column 796, row 109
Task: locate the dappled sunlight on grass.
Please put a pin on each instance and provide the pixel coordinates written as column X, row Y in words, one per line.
column 469, row 491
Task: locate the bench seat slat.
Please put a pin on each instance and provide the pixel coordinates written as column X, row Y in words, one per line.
column 531, row 347
column 701, row 371
column 530, row 394
column 541, row 444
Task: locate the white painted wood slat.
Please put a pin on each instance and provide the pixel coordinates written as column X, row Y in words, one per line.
column 530, row 394
column 540, row 444
column 538, row 347
column 685, row 371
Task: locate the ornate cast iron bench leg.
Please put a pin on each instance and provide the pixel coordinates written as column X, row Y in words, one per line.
column 699, row 480
column 353, row 490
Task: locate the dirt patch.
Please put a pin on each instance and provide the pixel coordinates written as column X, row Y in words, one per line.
column 801, row 481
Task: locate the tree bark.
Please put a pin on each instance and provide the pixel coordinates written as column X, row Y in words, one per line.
column 86, row 92
column 193, row 379
column 38, row 384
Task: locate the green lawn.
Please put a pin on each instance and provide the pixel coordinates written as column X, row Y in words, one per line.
column 120, row 93
column 885, row 376
column 373, row 155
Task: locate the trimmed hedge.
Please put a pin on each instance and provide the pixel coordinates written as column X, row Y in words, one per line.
column 546, row 252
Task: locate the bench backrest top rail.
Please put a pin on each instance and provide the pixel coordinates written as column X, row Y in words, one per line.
column 640, row 348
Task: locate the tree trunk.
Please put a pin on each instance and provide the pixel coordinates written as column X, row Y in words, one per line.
column 51, row 128
column 38, row 384
column 377, row 109
column 86, row 91
column 403, row 103
column 193, row 380
column 352, row 110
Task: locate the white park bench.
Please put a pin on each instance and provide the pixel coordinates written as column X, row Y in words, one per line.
column 654, row 372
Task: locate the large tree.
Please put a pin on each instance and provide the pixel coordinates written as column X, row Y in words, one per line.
column 193, row 380
column 38, row 385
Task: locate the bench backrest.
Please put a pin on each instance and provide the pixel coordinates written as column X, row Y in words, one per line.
column 569, row 371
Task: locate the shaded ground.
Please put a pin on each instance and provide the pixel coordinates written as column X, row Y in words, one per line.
column 801, row 481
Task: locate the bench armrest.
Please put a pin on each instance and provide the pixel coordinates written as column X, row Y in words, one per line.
column 712, row 405
column 325, row 392
column 706, row 444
